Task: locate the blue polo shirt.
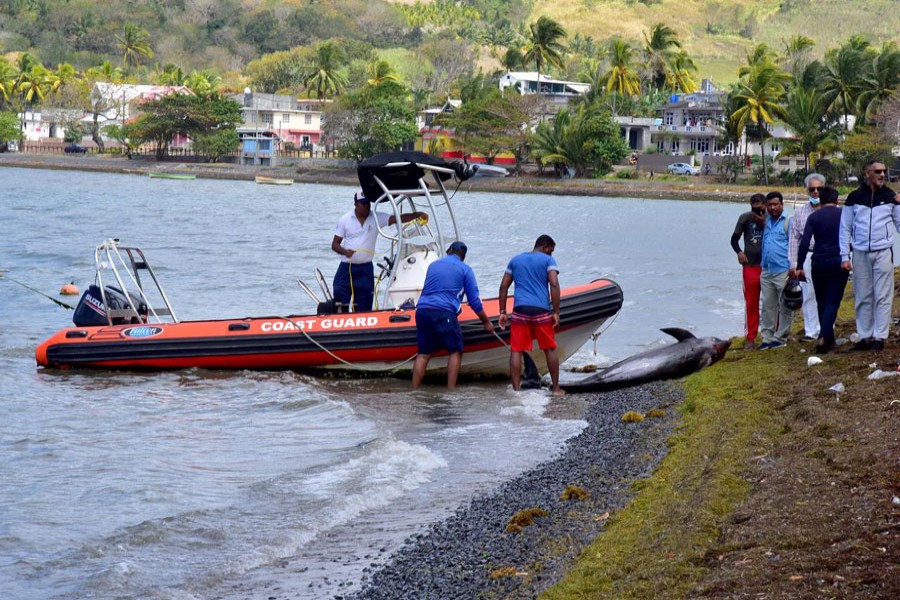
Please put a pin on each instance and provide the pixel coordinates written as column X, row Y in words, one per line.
column 445, row 282
column 775, row 243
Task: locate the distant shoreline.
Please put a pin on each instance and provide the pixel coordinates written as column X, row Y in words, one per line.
column 313, row 172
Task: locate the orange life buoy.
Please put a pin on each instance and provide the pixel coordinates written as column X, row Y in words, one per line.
column 68, row 290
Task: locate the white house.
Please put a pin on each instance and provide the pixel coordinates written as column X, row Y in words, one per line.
column 556, row 93
column 47, row 124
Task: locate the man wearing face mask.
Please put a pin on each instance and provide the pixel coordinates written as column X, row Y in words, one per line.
column 814, row 183
column 866, row 231
column 750, row 226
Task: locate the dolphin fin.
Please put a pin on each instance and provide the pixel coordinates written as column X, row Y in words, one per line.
column 678, row 333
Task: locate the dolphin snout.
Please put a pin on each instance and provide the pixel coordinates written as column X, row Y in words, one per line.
column 721, row 347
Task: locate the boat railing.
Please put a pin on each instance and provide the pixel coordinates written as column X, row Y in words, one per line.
column 126, row 271
column 415, row 244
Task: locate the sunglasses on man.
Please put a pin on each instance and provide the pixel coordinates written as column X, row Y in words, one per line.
column 813, row 189
column 879, row 171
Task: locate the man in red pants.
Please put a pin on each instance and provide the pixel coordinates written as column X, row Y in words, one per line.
column 750, row 226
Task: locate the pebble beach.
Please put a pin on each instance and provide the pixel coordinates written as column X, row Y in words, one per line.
column 475, row 553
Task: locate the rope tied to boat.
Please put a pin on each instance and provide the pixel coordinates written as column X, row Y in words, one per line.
column 360, row 367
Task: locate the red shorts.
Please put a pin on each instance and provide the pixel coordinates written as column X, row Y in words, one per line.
column 522, row 334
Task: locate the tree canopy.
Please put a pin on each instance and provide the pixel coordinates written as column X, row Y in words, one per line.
column 187, row 115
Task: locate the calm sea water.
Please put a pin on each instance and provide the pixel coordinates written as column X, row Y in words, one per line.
column 186, row 484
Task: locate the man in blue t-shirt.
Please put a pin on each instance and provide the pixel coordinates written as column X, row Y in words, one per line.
column 535, row 315
column 437, row 324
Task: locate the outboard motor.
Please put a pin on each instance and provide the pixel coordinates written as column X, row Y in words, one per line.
column 92, row 312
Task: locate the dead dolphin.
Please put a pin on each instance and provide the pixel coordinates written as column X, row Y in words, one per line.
column 690, row 354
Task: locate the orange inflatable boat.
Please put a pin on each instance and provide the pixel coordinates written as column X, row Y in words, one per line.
column 382, row 340
column 125, row 320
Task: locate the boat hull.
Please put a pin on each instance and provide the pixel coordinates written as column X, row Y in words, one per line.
column 377, row 341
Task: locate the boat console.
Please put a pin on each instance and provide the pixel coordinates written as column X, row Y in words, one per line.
column 398, row 183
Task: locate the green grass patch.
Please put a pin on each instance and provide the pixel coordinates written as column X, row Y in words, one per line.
column 655, row 547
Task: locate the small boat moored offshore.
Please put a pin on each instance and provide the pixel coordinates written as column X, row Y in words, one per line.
column 126, row 321
column 273, row 180
column 163, row 175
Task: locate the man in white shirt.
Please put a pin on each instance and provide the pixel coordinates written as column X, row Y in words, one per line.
column 354, row 239
column 814, row 183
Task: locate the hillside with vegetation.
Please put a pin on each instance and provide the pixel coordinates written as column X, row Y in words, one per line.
column 224, row 36
column 718, row 34
column 807, row 63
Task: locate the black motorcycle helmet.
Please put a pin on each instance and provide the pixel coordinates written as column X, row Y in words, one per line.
column 792, row 295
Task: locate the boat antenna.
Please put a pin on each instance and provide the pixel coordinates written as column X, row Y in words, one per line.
column 28, row 287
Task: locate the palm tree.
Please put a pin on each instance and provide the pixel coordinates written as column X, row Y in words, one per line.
column 759, row 96
column 796, row 54
column 879, row 82
column 842, row 78
column 658, row 49
column 134, row 45
column 34, row 84
column 380, row 72
column 806, row 113
column 761, row 55
column 203, row 83
column 171, row 74
column 543, row 46
column 324, row 77
column 621, row 77
column 64, row 75
column 679, row 73
column 8, row 75
column 513, row 60
column 548, row 143
column 106, row 71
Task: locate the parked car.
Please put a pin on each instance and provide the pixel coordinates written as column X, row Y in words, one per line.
column 74, row 148
column 682, row 169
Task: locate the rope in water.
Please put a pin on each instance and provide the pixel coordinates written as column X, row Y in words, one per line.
column 28, row 287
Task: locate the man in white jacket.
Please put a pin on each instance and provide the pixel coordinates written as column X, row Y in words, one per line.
column 870, row 214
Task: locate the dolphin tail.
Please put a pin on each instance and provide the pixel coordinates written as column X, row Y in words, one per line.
column 678, row 333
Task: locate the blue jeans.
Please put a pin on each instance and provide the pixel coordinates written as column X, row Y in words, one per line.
column 358, row 283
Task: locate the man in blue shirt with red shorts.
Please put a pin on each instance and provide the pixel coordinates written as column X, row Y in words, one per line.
column 535, row 311
column 437, row 324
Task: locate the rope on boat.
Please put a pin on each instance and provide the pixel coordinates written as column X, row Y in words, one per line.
column 347, row 362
